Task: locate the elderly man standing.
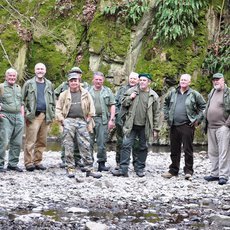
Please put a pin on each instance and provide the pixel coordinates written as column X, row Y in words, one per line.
column 104, row 118
column 217, row 115
column 61, row 88
column 75, row 110
column 142, row 121
column 11, row 121
column 183, row 110
column 120, row 116
column 39, row 101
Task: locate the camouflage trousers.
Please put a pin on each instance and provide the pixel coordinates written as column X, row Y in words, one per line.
column 75, row 131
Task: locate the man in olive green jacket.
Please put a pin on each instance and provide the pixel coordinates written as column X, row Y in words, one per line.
column 183, row 110
column 11, row 121
column 142, row 120
column 39, row 101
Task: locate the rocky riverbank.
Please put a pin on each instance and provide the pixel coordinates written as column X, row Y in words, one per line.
column 50, row 200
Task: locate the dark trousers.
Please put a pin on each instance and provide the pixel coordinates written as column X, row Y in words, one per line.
column 135, row 148
column 181, row 135
column 127, row 144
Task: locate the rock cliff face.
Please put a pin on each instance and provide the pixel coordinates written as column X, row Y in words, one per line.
column 66, row 33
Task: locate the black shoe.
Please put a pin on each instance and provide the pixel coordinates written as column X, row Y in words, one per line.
column 83, row 169
column 211, row 178
column 62, row 165
column 140, row 173
column 119, row 173
column 93, row 174
column 2, row 170
column 102, row 167
column 14, row 168
column 30, row 168
column 40, row 167
column 222, row 181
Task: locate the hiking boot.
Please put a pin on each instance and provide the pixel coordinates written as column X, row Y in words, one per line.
column 14, row 168
column 119, row 173
column 93, row 174
column 102, row 167
column 222, row 181
column 62, row 165
column 140, row 173
column 40, row 167
column 30, row 168
column 211, row 178
column 167, row 175
column 70, row 172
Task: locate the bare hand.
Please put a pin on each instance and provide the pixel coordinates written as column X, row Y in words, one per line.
column 133, row 95
column 111, row 124
column 2, row 115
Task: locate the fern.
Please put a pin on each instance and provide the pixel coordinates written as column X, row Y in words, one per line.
column 176, row 18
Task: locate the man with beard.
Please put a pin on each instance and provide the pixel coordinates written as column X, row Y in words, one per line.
column 218, row 127
column 39, row 101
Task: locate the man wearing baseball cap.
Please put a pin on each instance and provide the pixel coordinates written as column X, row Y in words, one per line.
column 74, row 110
column 217, row 116
column 61, row 88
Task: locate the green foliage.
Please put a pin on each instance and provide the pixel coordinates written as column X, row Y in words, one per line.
column 131, row 10
column 55, row 130
column 176, row 18
column 218, row 55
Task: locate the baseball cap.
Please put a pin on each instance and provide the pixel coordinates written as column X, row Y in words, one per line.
column 73, row 76
column 217, row 75
column 76, row 69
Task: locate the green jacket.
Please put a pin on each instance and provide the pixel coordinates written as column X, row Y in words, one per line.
column 226, row 107
column 153, row 112
column 29, row 96
column 106, row 100
column 10, row 98
column 120, row 110
column 194, row 103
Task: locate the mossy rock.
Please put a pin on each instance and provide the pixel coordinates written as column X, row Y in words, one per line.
column 109, row 37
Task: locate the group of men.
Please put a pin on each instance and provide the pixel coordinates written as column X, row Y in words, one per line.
column 87, row 113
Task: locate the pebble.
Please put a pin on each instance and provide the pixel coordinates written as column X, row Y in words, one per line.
column 112, row 202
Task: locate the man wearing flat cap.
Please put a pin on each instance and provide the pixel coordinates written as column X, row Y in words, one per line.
column 183, row 110
column 217, row 120
column 75, row 109
column 142, row 121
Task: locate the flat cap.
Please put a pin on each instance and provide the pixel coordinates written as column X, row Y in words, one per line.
column 147, row 75
column 217, row 75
